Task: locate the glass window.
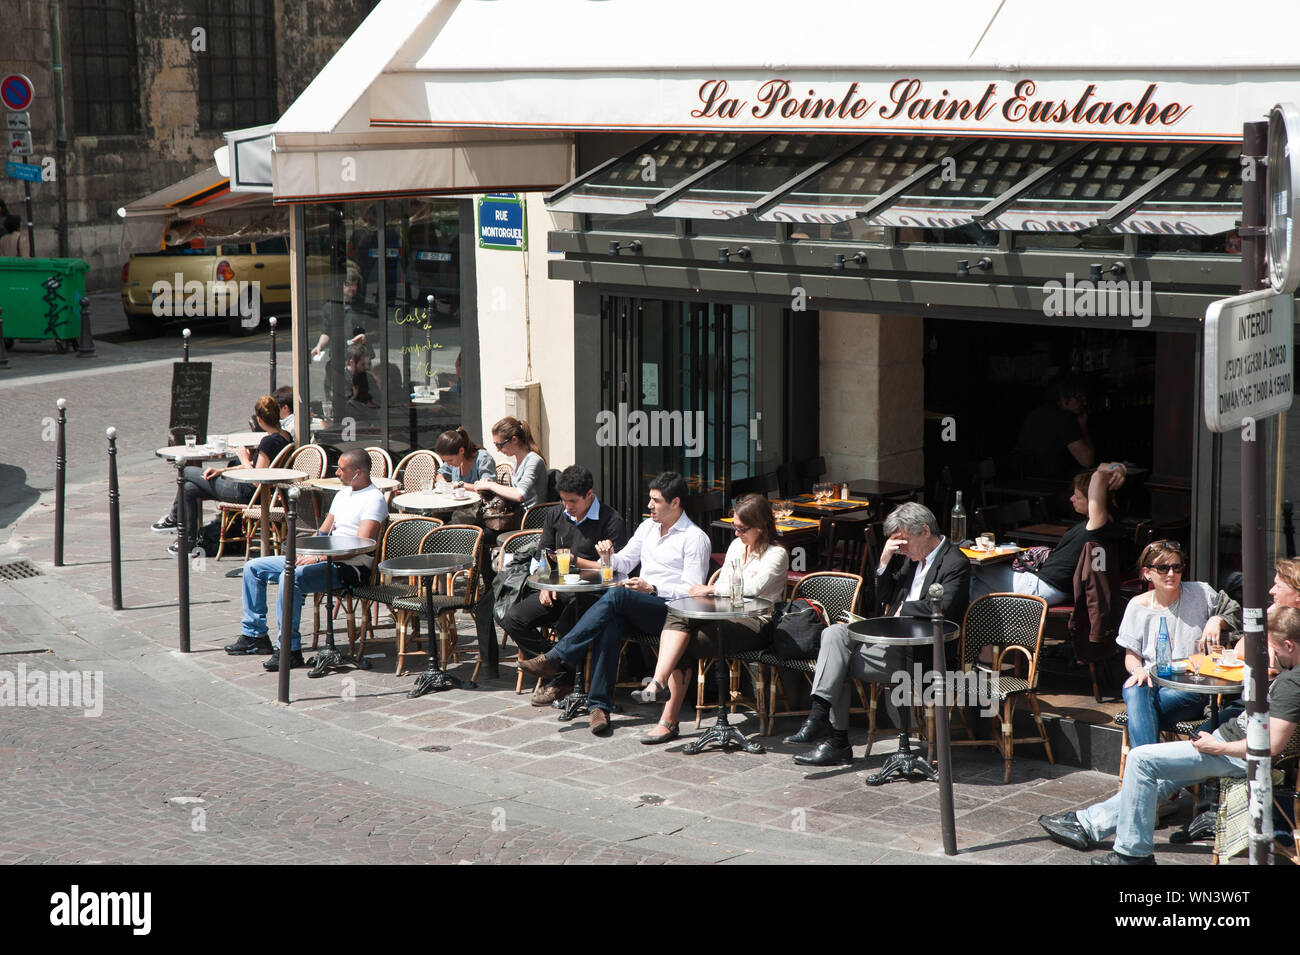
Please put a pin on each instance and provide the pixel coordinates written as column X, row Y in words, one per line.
column 101, row 40
column 1204, row 200
column 237, row 70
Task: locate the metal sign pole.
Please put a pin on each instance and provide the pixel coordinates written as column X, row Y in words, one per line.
column 114, row 522
column 288, row 594
column 1254, row 147
column 271, row 322
column 31, row 231
column 943, row 750
column 60, row 475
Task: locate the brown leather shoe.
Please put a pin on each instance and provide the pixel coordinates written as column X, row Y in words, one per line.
column 600, row 722
column 546, row 695
column 539, row 666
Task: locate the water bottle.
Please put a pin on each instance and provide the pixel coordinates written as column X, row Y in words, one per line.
column 957, row 524
column 737, row 586
column 1164, row 651
column 543, row 565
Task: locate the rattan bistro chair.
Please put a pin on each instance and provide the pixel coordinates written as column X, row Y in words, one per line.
column 249, row 515
column 1232, row 824
column 399, row 539
column 837, row 592
column 416, row 467
column 381, row 465
column 460, row 593
column 535, row 516
column 1011, row 624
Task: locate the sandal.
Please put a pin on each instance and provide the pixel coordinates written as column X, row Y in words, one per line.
column 665, row 738
column 650, row 692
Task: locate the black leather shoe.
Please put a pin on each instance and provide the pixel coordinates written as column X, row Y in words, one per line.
column 1065, row 828
column 1118, row 858
column 827, row 754
column 295, row 661
column 812, row 730
column 250, row 645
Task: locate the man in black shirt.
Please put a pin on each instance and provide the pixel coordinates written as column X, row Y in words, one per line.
column 1054, row 435
column 578, row 525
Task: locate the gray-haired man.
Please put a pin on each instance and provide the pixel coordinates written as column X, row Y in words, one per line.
column 927, row 558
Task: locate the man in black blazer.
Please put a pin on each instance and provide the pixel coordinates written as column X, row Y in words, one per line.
column 913, row 543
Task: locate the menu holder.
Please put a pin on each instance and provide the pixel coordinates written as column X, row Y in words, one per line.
column 191, row 396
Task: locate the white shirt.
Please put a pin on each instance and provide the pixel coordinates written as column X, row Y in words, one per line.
column 923, row 568
column 764, row 575
column 350, row 508
column 674, row 562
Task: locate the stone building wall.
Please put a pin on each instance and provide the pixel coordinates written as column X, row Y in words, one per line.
column 106, row 172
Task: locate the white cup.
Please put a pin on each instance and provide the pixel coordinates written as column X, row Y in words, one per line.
column 1229, row 657
column 219, row 444
column 572, row 578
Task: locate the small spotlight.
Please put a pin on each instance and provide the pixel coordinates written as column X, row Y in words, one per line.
column 633, row 246
column 1095, row 272
column 964, row 267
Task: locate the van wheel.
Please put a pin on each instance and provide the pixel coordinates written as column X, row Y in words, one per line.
column 235, row 324
column 143, row 326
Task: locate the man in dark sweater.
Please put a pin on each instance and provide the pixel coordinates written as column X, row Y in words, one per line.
column 578, row 525
column 1155, row 772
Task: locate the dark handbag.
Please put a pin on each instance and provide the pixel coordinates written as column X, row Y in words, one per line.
column 496, row 513
column 797, row 629
column 509, row 587
column 1030, row 559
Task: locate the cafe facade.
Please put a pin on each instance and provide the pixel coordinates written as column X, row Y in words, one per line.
column 733, row 247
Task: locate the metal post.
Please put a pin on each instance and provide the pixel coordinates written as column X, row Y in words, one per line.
column 271, row 322
column 182, row 560
column 31, row 228
column 114, row 523
column 1254, row 146
column 4, row 353
column 60, row 474
column 288, row 596
column 943, row 748
column 60, row 124
column 86, row 346
column 185, row 332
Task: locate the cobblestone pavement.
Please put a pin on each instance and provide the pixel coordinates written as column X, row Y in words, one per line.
column 357, row 771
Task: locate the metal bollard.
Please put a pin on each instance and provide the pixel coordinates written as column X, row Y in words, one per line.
column 4, row 353
column 86, row 346
column 114, row 523
column 271, row 322
column 943, row 749
column 182, row 561
column 186, row 333
column 288, row 596
column 60, row 475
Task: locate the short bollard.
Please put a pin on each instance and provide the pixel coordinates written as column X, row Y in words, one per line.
column 943, row 749
column 86, row 346
column 182, row 561
column 288, row 596
column 271, row 322
column 185, row 333
column 114, row 525
column 4, row 352
column 60, row 475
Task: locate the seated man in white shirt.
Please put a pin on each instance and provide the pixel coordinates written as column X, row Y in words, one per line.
column 912, row 531
column 357, row 511
column 674, row 557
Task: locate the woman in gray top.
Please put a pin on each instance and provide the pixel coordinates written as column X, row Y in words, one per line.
column 512, row 438
column 1195, row 615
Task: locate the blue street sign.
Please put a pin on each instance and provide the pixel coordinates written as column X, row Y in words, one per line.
column 23, row 170
column 501, row 222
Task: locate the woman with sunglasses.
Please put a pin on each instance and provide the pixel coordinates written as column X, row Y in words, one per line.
column 763, row 565
column 1196, row 616
column 512, row 437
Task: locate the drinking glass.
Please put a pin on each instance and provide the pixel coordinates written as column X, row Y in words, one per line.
column 562, row 557
column 191, row 440
column 606, row 569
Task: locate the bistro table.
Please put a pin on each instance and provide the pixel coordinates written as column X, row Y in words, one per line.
column 982, row 558
column 835, row 505
column 265, row 476
column 1049, row 534
column 787, row 528
column 886, row 490
column 427, row 567
column 334, row 484
column 714, row 610
column 244, row 439
column 906, row 632
column 334, row 548
column 418, row 502
column 589, row 582
column 181, row 455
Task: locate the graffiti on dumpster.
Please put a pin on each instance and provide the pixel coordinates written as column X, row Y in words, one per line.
column 54, row 316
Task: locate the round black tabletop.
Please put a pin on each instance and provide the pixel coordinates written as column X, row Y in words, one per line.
column 718, row 608
column 1196, row 683
column 588, row 580
column 900, row 631
column 426, row 565
column 334, row 546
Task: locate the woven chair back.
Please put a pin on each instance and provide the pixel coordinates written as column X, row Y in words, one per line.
column 836, row 591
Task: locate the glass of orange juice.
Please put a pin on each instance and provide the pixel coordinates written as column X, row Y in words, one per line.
column 562, row 556
column 606, row 569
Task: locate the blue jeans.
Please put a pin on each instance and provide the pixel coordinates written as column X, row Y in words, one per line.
column 1002, row 578
column 1153, row 708
column 1152, row 773
column 620, row 611
column 307, row 580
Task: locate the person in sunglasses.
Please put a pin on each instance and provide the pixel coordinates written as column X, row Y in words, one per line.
column 1196, row 615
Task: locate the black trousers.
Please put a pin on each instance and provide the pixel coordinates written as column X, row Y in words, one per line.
column 523, row 622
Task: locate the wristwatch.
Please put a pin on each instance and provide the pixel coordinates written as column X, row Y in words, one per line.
column 654, row 591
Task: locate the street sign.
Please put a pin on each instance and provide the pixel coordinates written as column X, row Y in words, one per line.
column 502, row 222
column 16, row 92
column 1249, row 366
column 18, row 121
column 23, row 170
column 20, row 142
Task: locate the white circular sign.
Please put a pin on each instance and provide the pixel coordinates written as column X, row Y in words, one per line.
column 1283, row 200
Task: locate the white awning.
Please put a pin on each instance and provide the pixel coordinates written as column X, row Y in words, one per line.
column 198, row 206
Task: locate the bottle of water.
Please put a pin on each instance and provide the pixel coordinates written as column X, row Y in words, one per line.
column 957, row 524
column 737, row 585
column 1164, row 651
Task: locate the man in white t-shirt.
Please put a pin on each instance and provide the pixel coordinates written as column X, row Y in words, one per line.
column 357, row 511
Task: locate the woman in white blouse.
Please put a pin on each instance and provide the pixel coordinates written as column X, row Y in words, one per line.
column 763, row 564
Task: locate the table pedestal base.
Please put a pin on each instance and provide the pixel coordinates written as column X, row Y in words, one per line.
column 435, row 680
column 903, row 765
column 331, row 660
column 724, row 734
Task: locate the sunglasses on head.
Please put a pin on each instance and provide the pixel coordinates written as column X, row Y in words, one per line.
column 1166, row 568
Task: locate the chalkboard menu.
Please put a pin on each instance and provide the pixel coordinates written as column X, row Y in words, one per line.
column 191, row 393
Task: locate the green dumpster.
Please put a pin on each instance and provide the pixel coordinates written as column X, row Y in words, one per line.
column 41, row 298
